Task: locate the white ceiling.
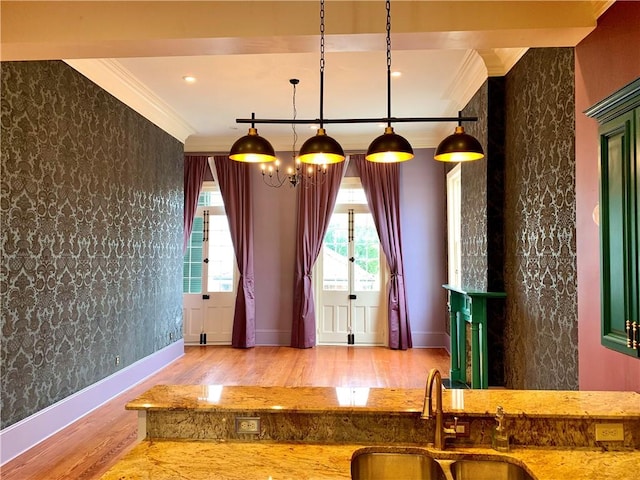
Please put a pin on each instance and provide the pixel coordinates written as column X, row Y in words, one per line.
column 443, row 59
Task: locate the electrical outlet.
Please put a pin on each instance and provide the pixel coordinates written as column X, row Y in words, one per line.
column 463, row 429
column 248, row 425
column 609, row 432
column 117, row 359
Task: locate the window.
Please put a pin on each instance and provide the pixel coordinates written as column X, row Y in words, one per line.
column 209, row 262
column 351, row 234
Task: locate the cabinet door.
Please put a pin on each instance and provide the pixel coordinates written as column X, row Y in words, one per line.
column 619, row 232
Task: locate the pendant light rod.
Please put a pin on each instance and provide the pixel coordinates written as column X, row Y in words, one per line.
column 388, row 6
column 321, row 63
column 316, row 121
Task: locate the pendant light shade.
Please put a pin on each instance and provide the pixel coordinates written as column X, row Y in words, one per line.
column 321, row 150
column 252, row 148
column 459, row 147
column 389, row 148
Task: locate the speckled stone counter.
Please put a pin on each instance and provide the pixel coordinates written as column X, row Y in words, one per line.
column 201, row 460
column 380, row 415
column 547, row 403
column 312, row 432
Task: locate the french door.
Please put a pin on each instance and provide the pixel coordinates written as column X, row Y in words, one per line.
column 210, row 275
column 350, row 276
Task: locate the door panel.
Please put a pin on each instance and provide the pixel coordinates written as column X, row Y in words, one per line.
column 351, row 264
column 192, row 315
column 210, row 274
column 334, row 318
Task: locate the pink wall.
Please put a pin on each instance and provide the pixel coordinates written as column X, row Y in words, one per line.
column 606, row 60
column 423, row 227
column 424, row 237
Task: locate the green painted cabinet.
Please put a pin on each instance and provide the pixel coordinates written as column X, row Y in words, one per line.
column 619, row 132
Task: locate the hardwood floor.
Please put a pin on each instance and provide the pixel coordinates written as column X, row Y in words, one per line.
column 88, row 448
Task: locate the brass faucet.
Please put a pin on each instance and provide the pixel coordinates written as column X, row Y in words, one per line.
column 441, row 433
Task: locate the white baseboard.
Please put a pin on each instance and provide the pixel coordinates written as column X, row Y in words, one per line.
column 25, row 434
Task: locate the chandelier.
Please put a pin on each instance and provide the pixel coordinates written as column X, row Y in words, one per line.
column 295, row 174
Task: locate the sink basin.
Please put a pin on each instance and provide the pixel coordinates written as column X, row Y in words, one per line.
column 394, row 465
column 487, row 470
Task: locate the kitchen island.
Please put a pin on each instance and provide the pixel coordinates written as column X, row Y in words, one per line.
column 194, row 432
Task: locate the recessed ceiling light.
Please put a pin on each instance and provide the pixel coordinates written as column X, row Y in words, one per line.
column 396, row 74
column 189, row 79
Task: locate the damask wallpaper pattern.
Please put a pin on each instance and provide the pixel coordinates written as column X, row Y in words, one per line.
column 518, row 216
column 541, row 338
column 482, row 215
column 91, row 203
column 473, row 228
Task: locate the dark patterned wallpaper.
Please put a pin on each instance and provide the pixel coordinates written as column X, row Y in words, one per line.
column 91, row 203
column 541, row 337
column 482, row 215
column 473, row 230
column 519, row 220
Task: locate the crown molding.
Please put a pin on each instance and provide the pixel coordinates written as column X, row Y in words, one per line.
column 499, row 61
column 468, row 79
column 110, row 75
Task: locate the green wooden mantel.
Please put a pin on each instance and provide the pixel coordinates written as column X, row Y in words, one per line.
column 468, row 306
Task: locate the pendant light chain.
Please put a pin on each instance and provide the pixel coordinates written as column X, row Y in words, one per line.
column 386, row 148
column 321, row 62
column 294, row 82
column 388, row 5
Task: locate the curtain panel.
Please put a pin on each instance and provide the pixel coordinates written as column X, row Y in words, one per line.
column 235, row 187
column 381, row 184
column 315, row 203
column 195, row 170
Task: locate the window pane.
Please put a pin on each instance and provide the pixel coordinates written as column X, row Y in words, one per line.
column 192, row 264
column 210, row 196
column 366, row 271
column 221, row 256
column 353, row 195
column 335, row 254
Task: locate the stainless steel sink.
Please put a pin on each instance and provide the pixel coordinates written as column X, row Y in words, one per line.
column 414, row 463
column 394, row 465
column 487, row 470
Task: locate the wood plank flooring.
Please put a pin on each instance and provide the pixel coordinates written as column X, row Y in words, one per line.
column 90, row 446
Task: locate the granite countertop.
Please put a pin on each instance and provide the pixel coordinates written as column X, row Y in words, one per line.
column 241, row 458
column 547, row 403
column 200, row 460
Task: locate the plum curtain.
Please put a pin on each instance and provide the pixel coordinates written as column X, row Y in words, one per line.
column 381, row 185
column 235, row 187
column 195, row 169
column 315, row 204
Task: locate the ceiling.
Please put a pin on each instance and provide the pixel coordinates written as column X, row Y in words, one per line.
column 243, row 54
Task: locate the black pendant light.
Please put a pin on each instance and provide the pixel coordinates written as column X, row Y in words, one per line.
column 459, row 147
column 252, row 148
column 321, row 149
column 389, row 147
